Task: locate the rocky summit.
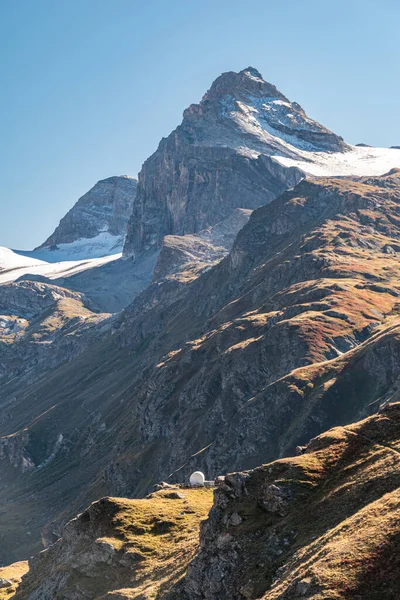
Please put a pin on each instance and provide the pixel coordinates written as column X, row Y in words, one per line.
column 216, row 161
column 106, row 207
column 252, row 320
column 242, row 146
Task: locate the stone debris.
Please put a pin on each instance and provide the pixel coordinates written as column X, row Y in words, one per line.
column 273, row 500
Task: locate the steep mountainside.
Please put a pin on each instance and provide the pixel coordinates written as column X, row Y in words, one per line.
column 83, row 254
column 187, row 255
column 43, row 325
column 322, row 525
column 296, row 330
column 106, row 207
column 243, row 145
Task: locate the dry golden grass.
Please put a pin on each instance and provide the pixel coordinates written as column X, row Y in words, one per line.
column 14, row 574
column 156, row 538
column 164, row 532
column 342, row 523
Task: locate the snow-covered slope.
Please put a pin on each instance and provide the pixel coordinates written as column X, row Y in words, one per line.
column 103, row 244
column 53, row 270
column 106, row 207
column 354, row 161
column 261, row 121
column 65, row 260
column 12, row 260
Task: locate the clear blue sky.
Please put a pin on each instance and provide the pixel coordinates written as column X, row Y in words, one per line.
column 88, row 87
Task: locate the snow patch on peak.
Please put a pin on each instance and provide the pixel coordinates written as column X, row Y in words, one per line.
column 252, row 73
column 357, row 161
column 275, row 117
column 281, row 103
column 282, row 130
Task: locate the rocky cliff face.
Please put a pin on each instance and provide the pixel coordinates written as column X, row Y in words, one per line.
column 317, row 526
column 240, row 147
column 221, row 158
column 296, row 330
column 188, row 255
column 42, row 326
column 106, row 207
column 323, row 524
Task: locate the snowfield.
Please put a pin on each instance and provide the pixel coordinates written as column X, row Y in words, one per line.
column 271, row 127
column 65, row 260
column 357, row 161
column 103, row 244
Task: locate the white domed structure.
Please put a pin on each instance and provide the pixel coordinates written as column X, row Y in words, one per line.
column 197, row 479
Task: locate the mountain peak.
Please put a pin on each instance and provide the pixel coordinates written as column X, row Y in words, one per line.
column 105, row 208
column 253, row 72
column 247, row 82
column 242, row 109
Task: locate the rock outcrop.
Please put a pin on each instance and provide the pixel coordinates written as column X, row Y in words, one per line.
column 188, row 255
column 321, row 525
column 126, row 548
column 106, row 207
column 221, row 158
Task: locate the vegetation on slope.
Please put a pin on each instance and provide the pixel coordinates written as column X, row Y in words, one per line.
column 10, row 577
column 322, row 525
column 297, row 330
column 120, row 548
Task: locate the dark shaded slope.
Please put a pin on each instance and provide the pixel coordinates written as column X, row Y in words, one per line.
column 295, row 331
column 321, row 525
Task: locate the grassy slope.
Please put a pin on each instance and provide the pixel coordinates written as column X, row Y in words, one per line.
column 151, row 542
column 13, row 573
column 336, row 534
column 235, row 369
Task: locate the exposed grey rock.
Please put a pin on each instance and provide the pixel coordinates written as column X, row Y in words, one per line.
column 218, row 160
column 196, row 252
column 273, row 499
column 107, row 206
column 174, row 495
column 235, row 519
